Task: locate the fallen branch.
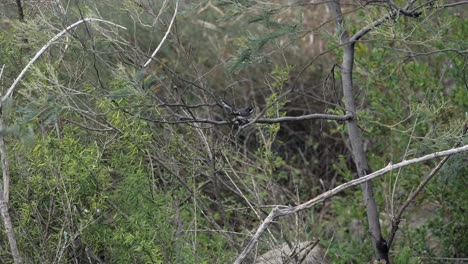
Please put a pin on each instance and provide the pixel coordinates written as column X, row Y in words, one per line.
column 288, row 210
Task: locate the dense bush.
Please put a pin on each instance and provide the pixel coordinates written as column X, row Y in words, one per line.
column 104, row 169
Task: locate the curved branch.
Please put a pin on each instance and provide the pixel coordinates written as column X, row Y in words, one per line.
column 285, row 210
column 380, row 21
column 45, row 47
column 165, row 36
column 404, row 11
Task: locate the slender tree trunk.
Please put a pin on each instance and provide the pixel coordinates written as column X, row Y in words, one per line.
column 20, row 10
column 19, row 5
column 4, row 198
column 355, row 137
column 10, row 232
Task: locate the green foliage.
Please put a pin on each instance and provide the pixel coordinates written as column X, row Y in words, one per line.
column 403, row 256
column 95, row 167
column 103, row 193
column 411, row 111
column 341, row 168
column 268, row 134
column 249, row 48
column 450, row 223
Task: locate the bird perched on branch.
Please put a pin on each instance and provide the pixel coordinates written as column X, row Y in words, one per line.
column 243, row 112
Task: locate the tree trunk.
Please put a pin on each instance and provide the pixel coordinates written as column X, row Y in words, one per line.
column 355, row 137
column 4, row 198
column 20, row 10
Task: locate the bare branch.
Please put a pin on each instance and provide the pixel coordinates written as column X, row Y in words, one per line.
column 185, row 119
column 45, row 47
column 1, row 71
column 285, row 210
column 4, row 194
column 5, row 190
column 304, row 117
column 379, row 22
column 455, row 4
column 10, row 232
column 416, row 54
column 90, row 128
column 404, row 11
column 165, row 36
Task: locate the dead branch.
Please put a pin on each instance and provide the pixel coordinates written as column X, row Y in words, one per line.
column 165, row 36
column 279, row 211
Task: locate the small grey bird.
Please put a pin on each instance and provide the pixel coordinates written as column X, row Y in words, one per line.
column 244, row 112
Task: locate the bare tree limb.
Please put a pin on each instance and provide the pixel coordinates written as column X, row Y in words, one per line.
column 45, row 47
column 304, row 117
column 5, row 190
column 378, row 22
column 4, row 194
column 10, row 232
column 165, row 36
column 279, row 211
column 90, row 128
column 265, row 120
column 404, row 11
column 186, row 120
column 455, row 4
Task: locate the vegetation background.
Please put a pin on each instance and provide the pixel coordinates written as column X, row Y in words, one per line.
column 107, row 165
